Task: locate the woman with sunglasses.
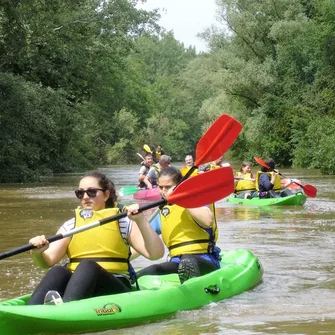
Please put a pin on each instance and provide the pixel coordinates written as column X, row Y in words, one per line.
column 190, row 235
column 98, row 258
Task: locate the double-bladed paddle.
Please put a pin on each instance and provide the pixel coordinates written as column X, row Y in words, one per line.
column 310, row 190
column 195, row 192
column 213, row 144
column 139, row 155
column 216, row 141
column 127, row 190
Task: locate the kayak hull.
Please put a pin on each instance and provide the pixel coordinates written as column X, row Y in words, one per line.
column 292, row 200
column 151, row 195
column 159, row 297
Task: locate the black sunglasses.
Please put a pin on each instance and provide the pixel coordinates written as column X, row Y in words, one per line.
column 91, row 192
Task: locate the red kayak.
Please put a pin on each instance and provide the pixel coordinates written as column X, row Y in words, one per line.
column 292, row 186
column 152, row 194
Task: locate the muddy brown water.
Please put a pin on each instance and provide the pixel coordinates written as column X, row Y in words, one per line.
column 294, row 244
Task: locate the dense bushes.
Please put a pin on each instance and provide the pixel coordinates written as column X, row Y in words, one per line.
column 84, row 83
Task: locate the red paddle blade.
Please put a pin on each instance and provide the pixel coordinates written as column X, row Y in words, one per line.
column 310, row 190
column 261, row 162
column 217, row 139
column 204, row 189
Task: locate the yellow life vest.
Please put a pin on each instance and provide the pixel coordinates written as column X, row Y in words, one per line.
column 185, row 169
column 103, row 244
column 182, row 235
column 213, row 166
column 244, row 185
column 276, row 186
column 158, row 155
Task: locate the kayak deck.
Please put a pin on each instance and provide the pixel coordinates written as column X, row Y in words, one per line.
column 159, row 297
column 292, row 200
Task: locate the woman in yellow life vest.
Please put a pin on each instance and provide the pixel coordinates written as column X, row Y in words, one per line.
column 98, row 258
column 245, row 186
column 158, row 153
column 190, row 234
column 268, row 181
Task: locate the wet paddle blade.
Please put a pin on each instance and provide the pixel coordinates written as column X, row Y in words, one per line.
column 310, row 190
column 217, row 139
column 261, row 162
column 203, row 189
column 147, row 148
column 126, row 190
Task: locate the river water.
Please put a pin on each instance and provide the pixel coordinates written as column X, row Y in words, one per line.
column 294, row 244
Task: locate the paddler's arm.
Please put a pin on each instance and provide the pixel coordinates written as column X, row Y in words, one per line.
column 147, row 178
column 46, row 254
column 147, row 183
column 143, row 238
column 155, row 222
column 202, row 215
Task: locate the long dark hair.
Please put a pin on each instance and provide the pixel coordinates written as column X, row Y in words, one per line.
column 172, row 172
column 106, row 184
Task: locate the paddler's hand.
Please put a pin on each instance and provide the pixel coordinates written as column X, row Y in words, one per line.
column 134, row 214
column 41, row 244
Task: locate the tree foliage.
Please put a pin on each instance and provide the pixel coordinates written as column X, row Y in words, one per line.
column 275, row 66
column 84, row 83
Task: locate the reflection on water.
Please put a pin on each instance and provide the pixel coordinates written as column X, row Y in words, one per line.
column 242, row 213
column 295, row 246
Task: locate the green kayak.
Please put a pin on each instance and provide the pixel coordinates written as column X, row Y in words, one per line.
column 291, row 200
column 159, row 297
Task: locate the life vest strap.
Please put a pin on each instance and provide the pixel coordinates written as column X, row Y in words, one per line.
column 182, row 244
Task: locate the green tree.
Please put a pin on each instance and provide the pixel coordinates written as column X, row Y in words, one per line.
column 272, row 69
column 159, row 63
column 68, row 62
column 38, row 128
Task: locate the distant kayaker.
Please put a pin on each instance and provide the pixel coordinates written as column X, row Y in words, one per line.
column 190, row 235
column 98, row 258
column 144, row 171
column 158, row 153
column 151, row 178
column 268, row 181
column 245, row 186
column 189, row 162
column 213, row 165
